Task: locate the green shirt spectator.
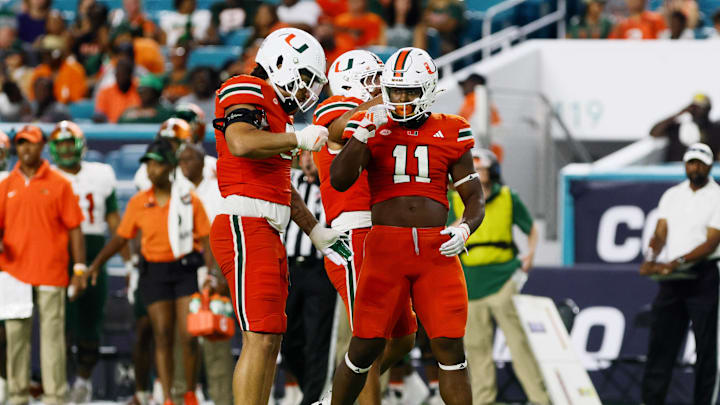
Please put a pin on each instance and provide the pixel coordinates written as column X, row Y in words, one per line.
column 592, row 25
column 150, row 110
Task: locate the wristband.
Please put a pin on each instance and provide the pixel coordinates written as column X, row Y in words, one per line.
column 79, row 269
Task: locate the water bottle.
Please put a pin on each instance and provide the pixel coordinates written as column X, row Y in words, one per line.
column 229, row 312
column 195, row 303
column 216, row 305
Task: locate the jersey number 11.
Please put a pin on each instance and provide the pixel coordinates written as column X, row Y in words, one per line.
column 400, row 155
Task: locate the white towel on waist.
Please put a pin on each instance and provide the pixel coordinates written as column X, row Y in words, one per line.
column 180, row 220
column 16, row 300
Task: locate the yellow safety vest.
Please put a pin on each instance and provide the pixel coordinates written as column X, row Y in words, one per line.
column 492, row 242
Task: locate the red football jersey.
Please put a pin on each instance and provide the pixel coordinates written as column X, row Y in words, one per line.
column 265, row 179
column 357, row 197
column 414, row 162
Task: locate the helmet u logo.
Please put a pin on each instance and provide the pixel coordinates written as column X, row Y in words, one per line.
column 301, row 49
column 349, row 66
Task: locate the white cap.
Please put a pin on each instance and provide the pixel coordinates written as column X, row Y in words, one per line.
column 699, row 151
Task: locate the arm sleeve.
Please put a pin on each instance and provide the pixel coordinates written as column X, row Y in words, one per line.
column 521, row 215
column 128, row 225
column 70, row 212
column 201, row 223
column 111, row 203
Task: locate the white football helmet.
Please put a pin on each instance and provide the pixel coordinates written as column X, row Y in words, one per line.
column 286, row 54
column 355, row 74
column 409, row 68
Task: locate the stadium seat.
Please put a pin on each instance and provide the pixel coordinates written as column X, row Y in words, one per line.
column 238, row 37
column 384, row 52
column 125, row 160
column 93, row 155
column 213, row 56
column 82, row 110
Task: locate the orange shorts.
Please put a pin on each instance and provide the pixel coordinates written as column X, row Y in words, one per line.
column 345, row 279
column 401, row 263
column 253, row 260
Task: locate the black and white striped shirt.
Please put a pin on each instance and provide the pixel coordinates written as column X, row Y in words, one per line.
column 297, row 243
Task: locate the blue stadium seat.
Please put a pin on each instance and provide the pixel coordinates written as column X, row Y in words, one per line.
column 152, row 6
column 65, row 5
column 82, row 110
column 383, row 52
column 92, row 155
column 213, row 56
column 238, row 37
column 125, row 160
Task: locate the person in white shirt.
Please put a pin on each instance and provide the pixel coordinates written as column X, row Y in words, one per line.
column 688, row 231
column 185, row 23
column 216, row 355
column 299, row 13
column 177, row 131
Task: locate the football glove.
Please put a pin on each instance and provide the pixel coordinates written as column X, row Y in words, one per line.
column 331, row 243
column 312, row 137
column 458, row 236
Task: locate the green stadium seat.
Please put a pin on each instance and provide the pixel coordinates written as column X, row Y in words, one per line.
column 383, row 52
column 82, row 110
column 238, row 37
column 92, row 155
column 125, row 160
column 213, row 56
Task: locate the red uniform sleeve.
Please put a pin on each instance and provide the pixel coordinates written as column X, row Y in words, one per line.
column 70, row 212
column 353, row 124
column 465, row 138
column 128, row 225
column 201, row 223
column 238, row 90
column 332, row 108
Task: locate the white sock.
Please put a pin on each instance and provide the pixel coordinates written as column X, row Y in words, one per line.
column 79, row 381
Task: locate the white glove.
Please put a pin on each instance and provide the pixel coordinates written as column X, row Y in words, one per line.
column 331, row 243
column 375, row 117
column 458, row 235
column 132, row 282
column 312, row 137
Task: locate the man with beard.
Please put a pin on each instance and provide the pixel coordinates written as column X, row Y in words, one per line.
column 688, row 230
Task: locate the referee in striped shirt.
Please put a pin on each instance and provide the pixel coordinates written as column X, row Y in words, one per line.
column 308, row 344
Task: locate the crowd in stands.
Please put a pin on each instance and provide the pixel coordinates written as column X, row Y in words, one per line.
column 133, row 65
column 633, row 19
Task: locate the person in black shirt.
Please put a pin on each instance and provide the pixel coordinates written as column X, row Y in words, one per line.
column 691, row 124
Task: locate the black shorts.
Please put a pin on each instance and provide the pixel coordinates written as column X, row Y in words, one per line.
column 163, row 281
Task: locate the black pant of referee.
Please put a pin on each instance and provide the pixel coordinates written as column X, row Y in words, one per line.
column 678, row 303
column 309, row 340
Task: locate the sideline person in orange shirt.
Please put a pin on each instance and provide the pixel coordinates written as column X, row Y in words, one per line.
column 358, row 27
column 640, row 24
column 39, row 216
column 168, row 275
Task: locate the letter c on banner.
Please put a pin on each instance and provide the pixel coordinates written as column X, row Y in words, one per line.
column 628, row 250
column 613, row 323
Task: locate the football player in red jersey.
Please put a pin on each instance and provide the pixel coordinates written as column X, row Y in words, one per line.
column 254, row 139
column 354, row 79
column 409, row 254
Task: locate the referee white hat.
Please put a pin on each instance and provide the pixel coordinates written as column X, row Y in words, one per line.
column 699, row 151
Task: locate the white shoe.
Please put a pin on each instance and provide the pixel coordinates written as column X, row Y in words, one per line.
column 325, row 400
column 3, row 391
column 293, row 395
column 81, row 392
column 435, row 400
column 415, row 389
column 395, row 395
column 157, row 392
